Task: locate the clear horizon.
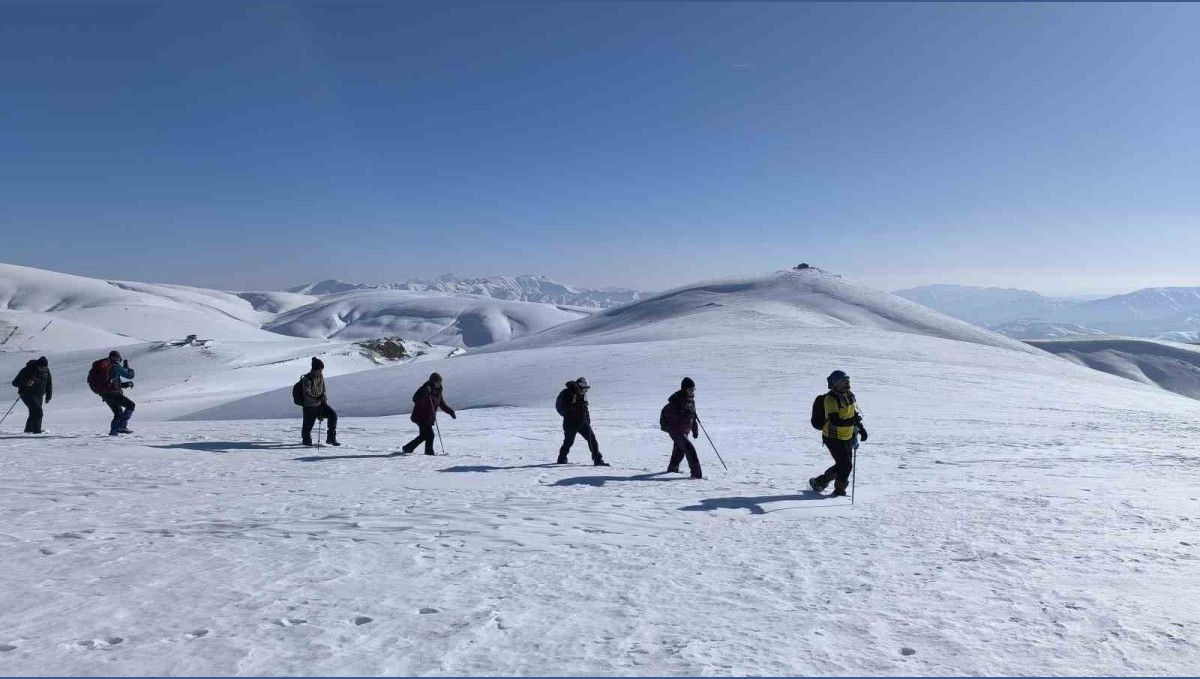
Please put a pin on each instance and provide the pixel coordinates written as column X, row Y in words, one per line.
column 235, row 146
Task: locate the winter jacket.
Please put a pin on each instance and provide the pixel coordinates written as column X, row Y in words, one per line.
column 43, row 384
column 841, row 416
column 682, row 414
column 116, row 374
column 575, row 406
column 312, row 386
column 426, row 402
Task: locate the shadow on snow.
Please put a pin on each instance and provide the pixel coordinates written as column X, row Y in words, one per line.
column 483, row 468
column 226, row 446
column 601, row 480
column 755, row 504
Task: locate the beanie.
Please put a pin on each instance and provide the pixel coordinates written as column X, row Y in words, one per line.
column 688, row 383
column 43, row 361
column 317, row 364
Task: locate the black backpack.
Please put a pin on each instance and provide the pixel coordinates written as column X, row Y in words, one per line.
column 665, row 416
column 298, row 392
column 560, row 404
column 818, row 412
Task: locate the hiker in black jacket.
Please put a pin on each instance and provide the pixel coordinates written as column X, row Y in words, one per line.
column 681, row 420
column 572, row 404
column 33, row 384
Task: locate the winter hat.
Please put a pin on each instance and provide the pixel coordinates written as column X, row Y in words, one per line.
column 43, row 361
column 317, row 364
column 114, row 355
column 835, row 377
column 583, row 383
column 434, row 377
column 687, row 383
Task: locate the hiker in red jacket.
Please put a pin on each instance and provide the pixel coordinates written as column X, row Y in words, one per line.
column 426, row 402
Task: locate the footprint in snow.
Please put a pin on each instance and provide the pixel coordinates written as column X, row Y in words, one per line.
column 908, row 651
column 363, row 620
column 427, row 611
column 196, row 634
column 104, row 644
column 5, row 648
column 290, row 622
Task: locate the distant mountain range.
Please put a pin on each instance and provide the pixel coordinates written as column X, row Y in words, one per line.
column 513, row 288
column 1150, row 312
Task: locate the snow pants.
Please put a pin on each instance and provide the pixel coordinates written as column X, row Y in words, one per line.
column 424, row 435
column 122, row 410
column 311, row 415
column 843, row 463
column 33, row 425
column 570, row 431
column 684, row 448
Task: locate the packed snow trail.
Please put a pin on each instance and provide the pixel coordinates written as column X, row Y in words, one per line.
column 223, row 548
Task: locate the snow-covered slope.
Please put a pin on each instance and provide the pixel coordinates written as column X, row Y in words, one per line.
column 1145, row 313
column 1174, row 367
column 513, row 288
column 1014, row 513
column 437, row 317
column 983, row 306
column 95, row 310
column 49, row 311
column 1186, row 337
column 792, row 325
column 741, row 308
column 1037, row 329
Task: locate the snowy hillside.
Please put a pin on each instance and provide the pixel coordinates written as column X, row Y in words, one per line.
column 91, row 312
column 773, row 323
column 1037, row 329
column 1015, row 513
column 1144, row 313
column 1191, row 337
column 441, row 318
column 983, row 306
column 49, row 311
column 513, row 288
column 1174, row 367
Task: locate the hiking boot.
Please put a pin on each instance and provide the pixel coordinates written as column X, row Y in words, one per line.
column 816, row 485
column 697, row 477
column 838, row 492
column 431, row 453
column 672, row 471
column 332, row 442
column 124, row 430
column 561, row 460
column 600, row 463
column 306, row 442
column 113, row 433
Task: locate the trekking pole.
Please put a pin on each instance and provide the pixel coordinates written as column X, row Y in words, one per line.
column 710, row 442
column 320, row 423
column 10, row 409
column 439, row 431
column 853, row 473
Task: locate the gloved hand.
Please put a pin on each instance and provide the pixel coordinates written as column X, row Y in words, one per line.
column 126, row 363
column 862, row 432
column 127, row 385
column 454, row 416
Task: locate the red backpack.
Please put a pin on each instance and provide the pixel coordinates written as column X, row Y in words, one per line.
column 98, row 377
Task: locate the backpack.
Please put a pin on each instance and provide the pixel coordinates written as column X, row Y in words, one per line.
column 818, row 413
column 560, row 404
column 97, row 378
column 664, row 418
column 298, row 392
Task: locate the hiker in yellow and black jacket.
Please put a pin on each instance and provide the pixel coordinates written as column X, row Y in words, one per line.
column 843, row 427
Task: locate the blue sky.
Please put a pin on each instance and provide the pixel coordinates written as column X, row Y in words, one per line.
column 239, row 145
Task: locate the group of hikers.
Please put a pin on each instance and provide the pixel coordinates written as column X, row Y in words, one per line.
column 835, row 413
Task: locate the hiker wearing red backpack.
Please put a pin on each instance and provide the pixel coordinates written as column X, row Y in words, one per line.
column 107, row 379
column 841, row 428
